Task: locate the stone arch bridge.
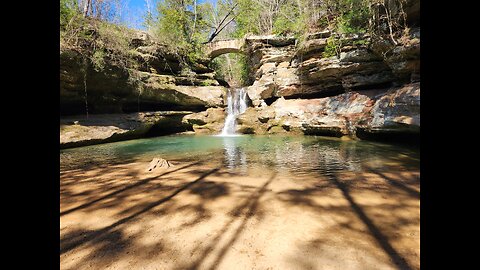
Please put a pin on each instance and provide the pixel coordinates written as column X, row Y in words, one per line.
column 219, row 47
column 240, row 45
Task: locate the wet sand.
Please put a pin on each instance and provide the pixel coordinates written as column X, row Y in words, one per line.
column 201, row 216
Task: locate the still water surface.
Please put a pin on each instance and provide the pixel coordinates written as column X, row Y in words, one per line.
column 294, row 154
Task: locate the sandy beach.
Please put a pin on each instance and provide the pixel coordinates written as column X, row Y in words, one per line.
column 198, row 215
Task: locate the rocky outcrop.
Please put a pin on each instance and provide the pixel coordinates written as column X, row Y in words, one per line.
column 367, row 87
column 304, row 72
column 165, row 90
column 296, row 90
column 396, row 110
column 158, row 81
column 210, row 121
column 355, row 69
column 80, row 131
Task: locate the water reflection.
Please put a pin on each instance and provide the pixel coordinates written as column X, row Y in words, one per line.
column 235, row 156
column 320, row 156
column 298, row 155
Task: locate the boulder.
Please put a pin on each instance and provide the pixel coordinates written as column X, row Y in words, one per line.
column 263, row 88
column 101, row 128
column 394, row 111
column 210, row 121
column 249, row 123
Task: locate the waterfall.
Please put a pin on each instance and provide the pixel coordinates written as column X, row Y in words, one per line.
column 236, row 105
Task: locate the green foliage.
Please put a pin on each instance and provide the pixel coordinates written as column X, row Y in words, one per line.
column 298, row 17
column 207, row 82
column 285, row 17
column 244, row 70
column 182, row 26
column 68, row 9
column 172, row 24
column 289, row 20
column 354, row 17
column 111, row 43
column 332, row 48
column 99, row 42
column 98, row 59
column 247, row 20
column 360, row 42
column 232, row 68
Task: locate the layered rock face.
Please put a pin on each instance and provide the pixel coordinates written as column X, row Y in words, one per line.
column 101, row 128
column 132, row 103
column 210, row 121
column 304, row 72
column 368, row 87
column 158, row 83
column 396, row 110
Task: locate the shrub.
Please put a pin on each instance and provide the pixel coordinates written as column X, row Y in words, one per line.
column 332, row 48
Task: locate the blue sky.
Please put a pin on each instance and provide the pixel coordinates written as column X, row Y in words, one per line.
column 135, row 11
column 137, row 8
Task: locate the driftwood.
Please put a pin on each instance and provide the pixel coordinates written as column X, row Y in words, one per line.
column 159, row 162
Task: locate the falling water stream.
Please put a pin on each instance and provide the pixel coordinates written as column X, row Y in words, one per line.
column 236, row 105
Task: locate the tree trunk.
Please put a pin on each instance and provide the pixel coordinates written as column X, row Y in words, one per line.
column 86, row 7
column 195, row 19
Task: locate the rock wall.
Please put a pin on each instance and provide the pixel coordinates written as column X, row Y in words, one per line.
column 101, row 128
column 369, row 87
column 148, row 100
column 303, row 72
column 396, row 110
column 159, row 82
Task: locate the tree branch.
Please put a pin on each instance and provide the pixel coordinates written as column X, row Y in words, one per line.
column 218, row 29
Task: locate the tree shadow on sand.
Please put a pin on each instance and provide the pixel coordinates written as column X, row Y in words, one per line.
column 245, row 211
column 121, row 190
column 73, row 240
column 381, row 221
column 108, row 244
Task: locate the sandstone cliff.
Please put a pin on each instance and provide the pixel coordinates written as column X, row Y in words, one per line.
column 158, row 82
column 368, row 87
column 145, row 98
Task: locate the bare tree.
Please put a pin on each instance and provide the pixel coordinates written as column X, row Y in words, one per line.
column 86, row 7
column 222, row 25
column 195, row 18
column 149, row 14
